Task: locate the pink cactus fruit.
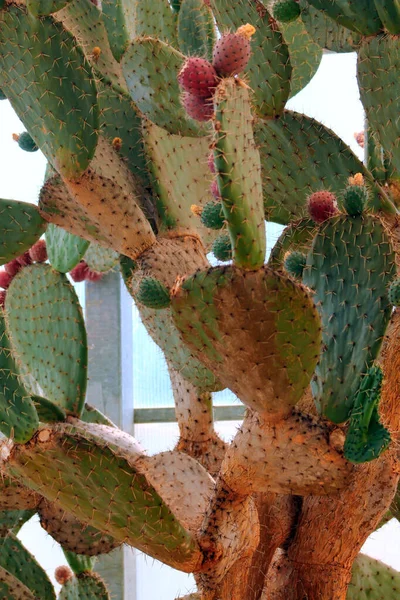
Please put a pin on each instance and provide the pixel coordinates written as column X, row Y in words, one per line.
column 322, row 206
column 232, row 51
column 12, row 267
column 5, row 279
column 2, row 298
column 38, row 252
column 198, row 77
column 93, row 275
column 210, row 162
column 200, row 109
column 79, row 272
column 25, row 259
column 214, row 189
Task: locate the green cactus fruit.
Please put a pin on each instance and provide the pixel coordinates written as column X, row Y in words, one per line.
column 222, row 247
column 394, row 292
column 212, row 215
column 294, row 263
column 286, row 10
column 322, row 206
column 25, row 142
column 366, row 437
column 153, row 294
column 354, row 200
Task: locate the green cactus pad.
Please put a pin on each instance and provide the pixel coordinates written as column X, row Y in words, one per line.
column 13, row 520
column 380, row 90
column 326, row 32
column 2, row 94
column 18, row 416
column 212, row 215
column 19, row 563
column 286, row 10
column 269, row 70
column 222, row 247
column 45, row 7
column 47, row 332
column 349, row 267
column 285, row 146
column 237, row 164
column 360, row 16
column 389, row 13
column 373, row 580
column 156, row 20
column 354, row 200
column 103, row 480
column 196, row 29
column 305, row 54
column 297, row 236
column 87, row 586
column 158, row 97
column 85, row 21
column 366, row 437
column 25, row 142
column 11, row 588
column 20, row 227
column 80, row 563
column 90, row 414
column 277, row 341
column 163, row 331
column 101, row 259
column 153, row 294
column 47, row 411
column 117, row 17
column 63, row 118
column 65, row 250
column 295, row 263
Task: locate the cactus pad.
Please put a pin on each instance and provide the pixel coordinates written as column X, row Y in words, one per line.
column 373, row 580
column 64, row 249
column 101, row 259
column 86, row 586
column 41, row 305
column 153, row 294
column 279, row 336
column 196, row 29
column 349, row 267
column 327, row 32
column 360, row 16
column 20, row 227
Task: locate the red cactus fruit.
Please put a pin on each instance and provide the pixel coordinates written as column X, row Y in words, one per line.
column 63, row 574
column 25, row 259
column 93, row 275
column 214, row 189
column 198, row 77
column 200, row 109
column 2, row 298
column 5, row 279
column 232, row 51
column 12, row 267
column 210, row 162
column 322, row 206
column 38, row 252
column 79, row 273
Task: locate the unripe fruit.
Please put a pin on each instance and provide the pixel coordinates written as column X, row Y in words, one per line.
column 232, row 51
column 212, row 215
column 12, row 267
column 200, row 109
column 25, row 142
column 198, row 77
column 5, row 279
column 38, row 252
column 286, row 11
column 294, row 263
column 214, row 189
column 394, row 292
column 222, row 247
column 79, row 272
column 2, row 298
column 355, row 198
column 153, row 294
column 63, row 574
column 322, row 206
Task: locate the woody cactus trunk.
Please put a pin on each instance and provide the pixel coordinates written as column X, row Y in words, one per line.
column 166, row 134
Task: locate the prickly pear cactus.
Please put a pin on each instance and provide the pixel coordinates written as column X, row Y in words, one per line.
column 167, row 137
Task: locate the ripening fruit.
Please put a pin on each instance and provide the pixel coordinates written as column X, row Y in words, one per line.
column 222, row 247
column 13, row 267
column 25, row 142
column 394, row 292
column 214, row 189
column 286, row 10
column 38, row 252
column 93, row 275
column 153, row 294
column 79, row 272
column 198, row 77
column 322, row 206
column 5, row 279
column 355, row 198
column 210, row 162
column 232, row 51
column 200, row 109
column 295, row 263
column 24, row 260
column 212, row 215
